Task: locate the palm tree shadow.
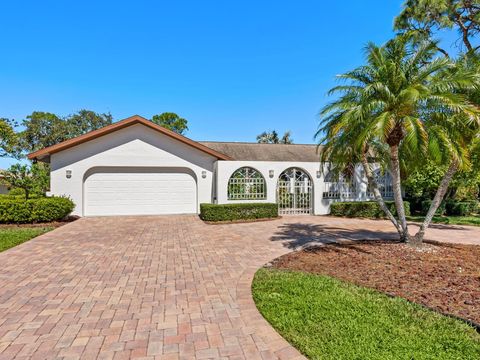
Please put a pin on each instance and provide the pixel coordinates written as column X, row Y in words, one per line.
column 302, row 235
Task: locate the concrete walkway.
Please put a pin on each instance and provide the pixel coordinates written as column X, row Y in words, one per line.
column 156, row 287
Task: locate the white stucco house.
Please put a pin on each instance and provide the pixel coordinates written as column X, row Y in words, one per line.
column 135, row 167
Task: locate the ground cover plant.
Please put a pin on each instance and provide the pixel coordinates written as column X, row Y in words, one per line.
column 13, row 236
column 326, row 318
column 452, row 220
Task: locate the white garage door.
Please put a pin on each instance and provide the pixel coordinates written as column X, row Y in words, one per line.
column 140, row 192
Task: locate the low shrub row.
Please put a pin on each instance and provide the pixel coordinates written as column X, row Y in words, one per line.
column 451, row 208
column 364, row 209
column 13, row 210
column 243, row 211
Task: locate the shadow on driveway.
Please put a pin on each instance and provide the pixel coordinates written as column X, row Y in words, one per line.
column 301, row 235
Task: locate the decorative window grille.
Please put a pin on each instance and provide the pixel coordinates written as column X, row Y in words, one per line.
column 246, row 183
column 344, row 188
column 385, row 185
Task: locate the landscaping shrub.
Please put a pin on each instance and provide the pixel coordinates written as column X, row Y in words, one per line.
column 243, row 211
column 461, row 208
column 364, row 209
column 426, row 206
column 14, row 210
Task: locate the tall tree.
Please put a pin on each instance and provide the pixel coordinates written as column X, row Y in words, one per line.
column 271, row 137
column 172, row 122
column 86, row 120
column 42, row 129
column 404, row 102
column 425, row 18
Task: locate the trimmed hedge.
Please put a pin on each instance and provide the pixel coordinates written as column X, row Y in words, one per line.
column 461, row 208
column 47, row 209
column 426, row 206
column 241, row 211
column 364, row 209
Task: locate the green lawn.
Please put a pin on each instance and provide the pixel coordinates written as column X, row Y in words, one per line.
column 326, row 318
column 10, row 237
column 452, row 220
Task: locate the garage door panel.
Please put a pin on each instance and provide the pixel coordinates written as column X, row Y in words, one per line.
column 139, row 193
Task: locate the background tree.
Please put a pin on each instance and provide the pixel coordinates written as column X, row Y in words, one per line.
column 8, row 137
column 425, row 18
column 404, row 102
column 28, row 178
column 271, row 137
column 172, row 122
column 84, row 121
column 42, row 129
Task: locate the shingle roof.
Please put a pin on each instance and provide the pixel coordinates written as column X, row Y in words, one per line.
column 265, row 152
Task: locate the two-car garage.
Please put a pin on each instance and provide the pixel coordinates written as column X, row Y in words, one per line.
column 139, row 191
column 132, row 167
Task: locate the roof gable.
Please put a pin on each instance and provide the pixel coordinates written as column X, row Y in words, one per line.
column 136, row 119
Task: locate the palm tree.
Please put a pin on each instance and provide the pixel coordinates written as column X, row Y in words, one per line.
column 272, row 138
column 404, row 102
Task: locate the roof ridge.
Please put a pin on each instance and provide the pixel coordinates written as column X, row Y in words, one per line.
column 249, row 143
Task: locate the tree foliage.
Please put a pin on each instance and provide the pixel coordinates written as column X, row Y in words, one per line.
column 271, row 137
column 30, row 178
column 172, row 122
column 425, row 18
column 404, row 103
column 85, row 121
column 8, row 137
column 42, row 129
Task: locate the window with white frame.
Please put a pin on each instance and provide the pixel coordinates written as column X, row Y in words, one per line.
column 342, row 187
column 384, row 182
column 246, row 183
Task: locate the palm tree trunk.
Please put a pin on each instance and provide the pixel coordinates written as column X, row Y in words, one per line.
column 378, row 195
column 417, row 240
column 397, row 192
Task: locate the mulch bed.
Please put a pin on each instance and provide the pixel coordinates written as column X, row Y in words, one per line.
column 440, row 276
column 54, row 224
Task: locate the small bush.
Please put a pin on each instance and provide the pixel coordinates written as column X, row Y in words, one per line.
column 364, row 209
column 426, row 206
column 461, row 208
column 243, row 211
column 14, row 210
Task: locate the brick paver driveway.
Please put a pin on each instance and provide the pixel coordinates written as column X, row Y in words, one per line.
column 154, row 287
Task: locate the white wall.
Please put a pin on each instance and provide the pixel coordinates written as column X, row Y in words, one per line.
column 320, row 206
column 134, row 146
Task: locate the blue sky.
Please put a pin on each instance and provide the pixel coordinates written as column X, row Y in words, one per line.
column 232, row 68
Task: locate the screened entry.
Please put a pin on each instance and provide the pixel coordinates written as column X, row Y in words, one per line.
column 294, row 193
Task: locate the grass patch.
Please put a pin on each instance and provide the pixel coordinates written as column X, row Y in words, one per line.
column 452, row 220
column 326, row 318
column 11, row 237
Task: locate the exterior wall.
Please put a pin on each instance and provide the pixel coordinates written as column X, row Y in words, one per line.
column 134, row 146
column 321, row 206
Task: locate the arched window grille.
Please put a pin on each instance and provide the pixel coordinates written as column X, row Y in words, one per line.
column 342, row 187
column 384, row 182
column 246, row 183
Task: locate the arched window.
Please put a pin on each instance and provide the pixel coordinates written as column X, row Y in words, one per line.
column 246, row 184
